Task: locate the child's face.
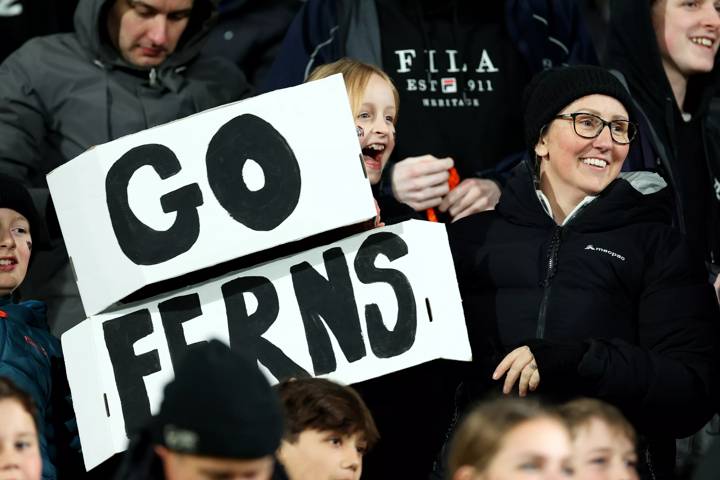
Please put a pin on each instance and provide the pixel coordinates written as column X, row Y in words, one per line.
column 537, row 449
column 688, row 34
column 19, row 450
column 323, row 455
column 15, row 247
column 376, row 120
column 602, row 453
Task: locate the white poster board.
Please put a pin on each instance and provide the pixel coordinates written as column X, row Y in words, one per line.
column 365, row 306
column 210, row 188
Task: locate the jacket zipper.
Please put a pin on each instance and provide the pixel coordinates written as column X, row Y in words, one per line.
column 552, row 260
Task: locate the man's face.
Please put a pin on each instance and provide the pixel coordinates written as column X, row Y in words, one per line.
column 146, row 32
column 323, row 455
column 181, row 466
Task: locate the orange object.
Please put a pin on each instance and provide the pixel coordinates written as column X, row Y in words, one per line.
column 3, row 314
column 453, row 181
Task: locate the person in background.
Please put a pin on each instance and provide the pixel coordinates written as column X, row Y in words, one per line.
column 459, row 66
column 604, row 442
column 578, row 285
column 19, row 444
column 665, row 51
column 249, row 34
column 511, row 439
column 129, row 65
column 21, row 20
column 219, row 419
column 328, row 430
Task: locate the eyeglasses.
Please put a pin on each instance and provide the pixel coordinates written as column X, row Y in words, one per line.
column 587, row 125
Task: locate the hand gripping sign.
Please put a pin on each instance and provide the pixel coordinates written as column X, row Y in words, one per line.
column 213, row 187
column 362, row 307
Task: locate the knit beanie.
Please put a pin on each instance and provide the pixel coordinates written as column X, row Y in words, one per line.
column 552, row 90
column 219, row 405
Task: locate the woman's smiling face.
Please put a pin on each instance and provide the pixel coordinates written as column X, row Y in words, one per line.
column 573, row 167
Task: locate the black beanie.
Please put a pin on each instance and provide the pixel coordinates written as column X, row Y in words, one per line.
column 14, row 195
column 552, row 90
column 219, row 405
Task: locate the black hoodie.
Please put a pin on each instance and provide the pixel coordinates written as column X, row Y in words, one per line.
column 685, row 153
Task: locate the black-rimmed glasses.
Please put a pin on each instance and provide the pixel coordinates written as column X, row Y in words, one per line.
column 588, row 125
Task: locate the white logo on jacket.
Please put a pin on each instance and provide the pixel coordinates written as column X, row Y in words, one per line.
column 717, row 189
column 604, row 250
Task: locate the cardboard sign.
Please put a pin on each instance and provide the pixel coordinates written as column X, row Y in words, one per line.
column 368, row 305
column 210, row 188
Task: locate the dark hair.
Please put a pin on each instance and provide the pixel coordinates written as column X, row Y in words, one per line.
column 578, row 413
column 9, row 391
column 482, row 431
column 319, row 404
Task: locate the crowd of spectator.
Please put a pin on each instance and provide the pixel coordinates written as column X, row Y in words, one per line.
column 572, row 148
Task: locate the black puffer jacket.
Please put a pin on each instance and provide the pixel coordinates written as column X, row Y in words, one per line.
column 612, row 304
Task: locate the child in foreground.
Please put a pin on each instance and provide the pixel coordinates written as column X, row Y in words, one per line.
column 19, row 445
column 603, row 440
column 328, row 430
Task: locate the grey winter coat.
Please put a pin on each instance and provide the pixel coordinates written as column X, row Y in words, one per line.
column 61, row 94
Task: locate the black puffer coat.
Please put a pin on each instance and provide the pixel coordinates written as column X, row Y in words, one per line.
column 612, row 304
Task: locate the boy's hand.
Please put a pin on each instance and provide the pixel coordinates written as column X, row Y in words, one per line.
column 717, row 287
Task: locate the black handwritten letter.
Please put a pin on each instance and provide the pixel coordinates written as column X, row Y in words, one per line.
column 120, row 335
column 174, row 313
column 246, row 329
column 140, row 243
column 387, row 343
column 244, row 138
column 331, row 300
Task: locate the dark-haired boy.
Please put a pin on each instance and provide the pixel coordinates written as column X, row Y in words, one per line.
column 328, row 429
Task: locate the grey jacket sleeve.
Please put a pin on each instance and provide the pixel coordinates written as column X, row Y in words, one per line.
column 22, row 119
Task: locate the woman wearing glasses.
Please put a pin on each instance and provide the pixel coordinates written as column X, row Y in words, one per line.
column 576, row 284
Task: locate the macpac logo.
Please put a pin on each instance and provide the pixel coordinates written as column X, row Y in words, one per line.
column 603, row 250
column 717, row 189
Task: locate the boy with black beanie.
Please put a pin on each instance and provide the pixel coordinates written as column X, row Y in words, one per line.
column 219, row 418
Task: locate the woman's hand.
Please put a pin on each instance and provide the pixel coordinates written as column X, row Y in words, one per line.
column 518, row 366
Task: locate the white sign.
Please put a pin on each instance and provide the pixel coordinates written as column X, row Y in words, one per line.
column 210, row 188
column 368, row 305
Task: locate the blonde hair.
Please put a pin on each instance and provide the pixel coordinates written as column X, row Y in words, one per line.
column 579, row 413
column 356, row 76
column 482, row 432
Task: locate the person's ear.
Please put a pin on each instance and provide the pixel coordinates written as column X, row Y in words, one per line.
column 541, row 148
column 466, row 472
column 280, row 452
column 161, row 451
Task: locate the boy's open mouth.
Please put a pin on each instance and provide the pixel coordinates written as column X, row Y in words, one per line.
column 7, row 264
